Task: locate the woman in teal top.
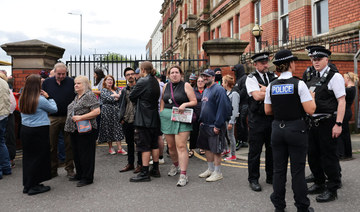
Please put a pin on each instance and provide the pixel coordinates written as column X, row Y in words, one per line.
column 35, row 104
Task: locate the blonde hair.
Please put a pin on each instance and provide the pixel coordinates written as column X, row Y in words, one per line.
column 353, row 77
column 229, row 80
column 85, row 81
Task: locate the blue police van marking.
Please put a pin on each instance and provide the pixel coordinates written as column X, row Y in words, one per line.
column 282, row 89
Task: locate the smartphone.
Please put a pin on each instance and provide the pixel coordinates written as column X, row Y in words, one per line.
column 312, row 88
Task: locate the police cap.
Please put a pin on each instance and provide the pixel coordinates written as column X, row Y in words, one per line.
column 263, row 56
column 308, row 48
column 319, row 52
column 283, row 56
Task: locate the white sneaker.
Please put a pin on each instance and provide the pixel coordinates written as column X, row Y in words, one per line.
column 207, row 173
column 215, row 176
column 183, row 180
column 173, row 170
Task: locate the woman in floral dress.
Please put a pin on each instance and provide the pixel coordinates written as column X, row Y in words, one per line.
column 110, row 127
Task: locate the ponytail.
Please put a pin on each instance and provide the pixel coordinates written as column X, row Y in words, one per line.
column 283, row 67
column 153, row 72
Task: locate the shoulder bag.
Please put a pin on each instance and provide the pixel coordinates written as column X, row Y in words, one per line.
column 176, row 104
column 83, row 126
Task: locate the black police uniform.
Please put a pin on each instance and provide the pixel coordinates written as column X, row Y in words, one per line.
column 322, row 157
column 259, row 134
column 289, row 138
column 309, row 73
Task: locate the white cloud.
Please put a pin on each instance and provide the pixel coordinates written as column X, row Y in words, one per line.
column 108, row 26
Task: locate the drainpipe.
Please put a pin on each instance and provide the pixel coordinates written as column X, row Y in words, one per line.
column 356, row 96
column 356, row 85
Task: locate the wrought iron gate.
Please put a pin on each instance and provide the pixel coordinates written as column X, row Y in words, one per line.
column 86, row 65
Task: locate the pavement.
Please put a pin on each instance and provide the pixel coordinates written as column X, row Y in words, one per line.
column 112, row 191
column 242, row 153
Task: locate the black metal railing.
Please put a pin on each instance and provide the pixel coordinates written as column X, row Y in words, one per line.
column 348, row 43
column 114, row 64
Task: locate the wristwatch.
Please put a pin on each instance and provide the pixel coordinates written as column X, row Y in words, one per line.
column 338, row 124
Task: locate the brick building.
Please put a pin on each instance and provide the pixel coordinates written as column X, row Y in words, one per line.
column 291, row 24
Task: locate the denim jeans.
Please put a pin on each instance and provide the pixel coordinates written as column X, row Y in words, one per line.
column 61, row 147
column 231, row 137
column 5, row 167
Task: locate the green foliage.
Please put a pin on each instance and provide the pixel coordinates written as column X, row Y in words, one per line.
column 111, row 56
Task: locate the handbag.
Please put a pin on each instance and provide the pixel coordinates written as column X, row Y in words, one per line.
column 176, row 104
column 83, row 126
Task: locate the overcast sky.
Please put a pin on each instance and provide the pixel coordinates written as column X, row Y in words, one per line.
column 118, row 26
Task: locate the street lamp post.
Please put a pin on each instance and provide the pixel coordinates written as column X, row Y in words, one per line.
column 257, row 32
column 80, row 30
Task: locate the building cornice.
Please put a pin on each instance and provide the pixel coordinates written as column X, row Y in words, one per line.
column 164, row 6
column 200, row 23
column 222, row 10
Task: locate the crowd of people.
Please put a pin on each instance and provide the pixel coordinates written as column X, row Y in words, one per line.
column 216, row 113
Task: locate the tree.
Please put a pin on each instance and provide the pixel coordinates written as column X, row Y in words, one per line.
column 111, row 56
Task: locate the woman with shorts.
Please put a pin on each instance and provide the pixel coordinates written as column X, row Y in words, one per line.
column 177, row 93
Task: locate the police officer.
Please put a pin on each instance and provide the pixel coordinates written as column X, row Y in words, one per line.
column 329, row 88
column 310, row 70
column 288, row 99
column 259, row 123
column 307, row 76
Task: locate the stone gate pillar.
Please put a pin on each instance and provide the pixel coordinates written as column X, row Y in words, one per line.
column 224, row 53
column 31, row 57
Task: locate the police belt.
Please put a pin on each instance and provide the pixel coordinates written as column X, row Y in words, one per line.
column 315, row 121
column 282, row 123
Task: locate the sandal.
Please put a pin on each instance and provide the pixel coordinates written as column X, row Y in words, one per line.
column 202, row 152
column 191, row 153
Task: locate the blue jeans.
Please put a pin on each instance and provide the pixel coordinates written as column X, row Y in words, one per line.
column 5, row 167
column 61, row 147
